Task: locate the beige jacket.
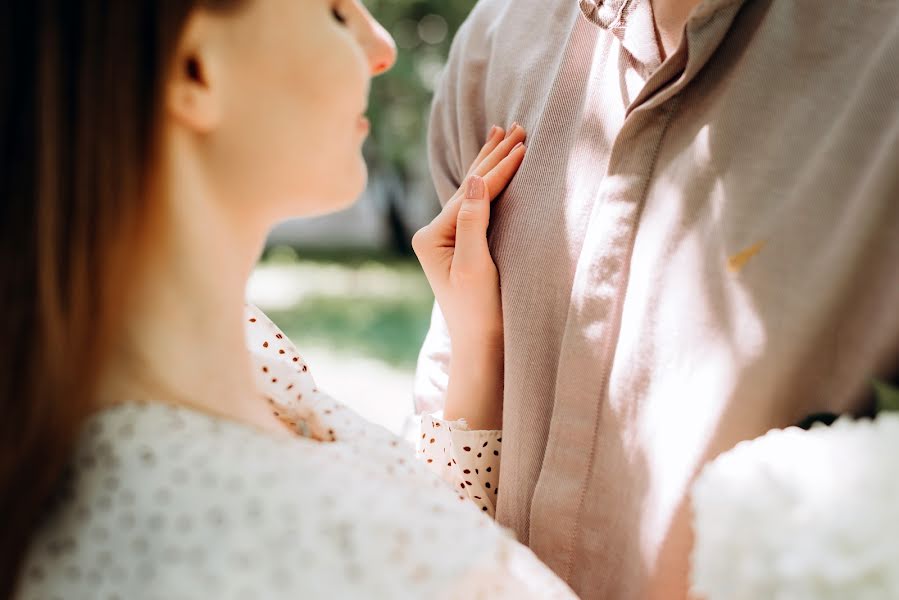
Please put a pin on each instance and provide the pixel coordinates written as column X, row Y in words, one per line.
column 693, row 252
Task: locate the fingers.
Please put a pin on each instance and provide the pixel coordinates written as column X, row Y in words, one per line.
column 496, row 180
column 516, row 134
column 496, row 164
column 495, row 149
column 496, row 135
column 445, row 221
column 471, row 227
column 500, row 176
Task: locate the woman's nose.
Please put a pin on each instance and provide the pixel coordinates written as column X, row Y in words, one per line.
column 380, row 48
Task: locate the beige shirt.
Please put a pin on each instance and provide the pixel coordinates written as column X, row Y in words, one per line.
column 693, row 252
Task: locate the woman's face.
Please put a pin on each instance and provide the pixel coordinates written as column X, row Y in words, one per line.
column 296, row 76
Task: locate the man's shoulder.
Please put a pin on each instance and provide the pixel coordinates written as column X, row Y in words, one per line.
column 489, row 12
column 516, row 23
column 480, row 25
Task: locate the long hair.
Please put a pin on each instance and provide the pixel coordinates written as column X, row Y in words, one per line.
column 83, row 83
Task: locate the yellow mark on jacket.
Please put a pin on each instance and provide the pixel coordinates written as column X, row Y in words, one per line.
column 736, row 262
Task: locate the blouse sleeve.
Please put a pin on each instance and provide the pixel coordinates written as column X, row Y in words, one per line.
column 467, row 460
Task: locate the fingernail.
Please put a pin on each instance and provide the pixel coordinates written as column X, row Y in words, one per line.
column 518, row 145
column 493, row 131
column 475, row 187
column 514, row 126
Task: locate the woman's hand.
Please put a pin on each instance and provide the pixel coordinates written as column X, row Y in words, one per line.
column 455, row 257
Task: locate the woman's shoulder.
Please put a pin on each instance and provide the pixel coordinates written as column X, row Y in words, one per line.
column 187, row 505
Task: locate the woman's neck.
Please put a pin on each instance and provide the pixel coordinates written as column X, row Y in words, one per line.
column 183, row 340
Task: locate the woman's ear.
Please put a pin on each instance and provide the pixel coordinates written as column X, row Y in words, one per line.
column 193, row 94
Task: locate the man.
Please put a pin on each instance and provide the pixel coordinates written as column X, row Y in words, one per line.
column 701, row 244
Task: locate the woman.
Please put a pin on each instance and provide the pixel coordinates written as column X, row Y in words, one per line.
column 161, row 440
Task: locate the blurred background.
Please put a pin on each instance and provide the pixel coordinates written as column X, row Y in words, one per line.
column 346, row 288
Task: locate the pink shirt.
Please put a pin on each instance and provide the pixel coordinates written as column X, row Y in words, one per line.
column 693, row 252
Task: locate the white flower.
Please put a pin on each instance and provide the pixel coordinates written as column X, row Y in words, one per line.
column 801, row 515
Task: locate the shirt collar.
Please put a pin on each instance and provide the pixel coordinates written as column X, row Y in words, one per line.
column 613, row 14
column 631, row 21
column 605, row 13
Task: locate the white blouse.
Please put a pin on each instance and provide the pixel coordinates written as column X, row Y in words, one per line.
column 166, row 502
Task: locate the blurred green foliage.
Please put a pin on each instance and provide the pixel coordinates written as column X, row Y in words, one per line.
column 368, row 305
column 401, row 98
column 887, row 396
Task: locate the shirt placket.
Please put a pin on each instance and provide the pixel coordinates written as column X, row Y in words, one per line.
column 601, row 277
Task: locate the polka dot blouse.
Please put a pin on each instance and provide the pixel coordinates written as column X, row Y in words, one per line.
column 469, row 460
column 163, row 502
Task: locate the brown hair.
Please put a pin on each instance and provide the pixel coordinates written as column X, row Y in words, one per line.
column 83, row 85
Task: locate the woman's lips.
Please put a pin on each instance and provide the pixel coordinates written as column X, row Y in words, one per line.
column 364, row 125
